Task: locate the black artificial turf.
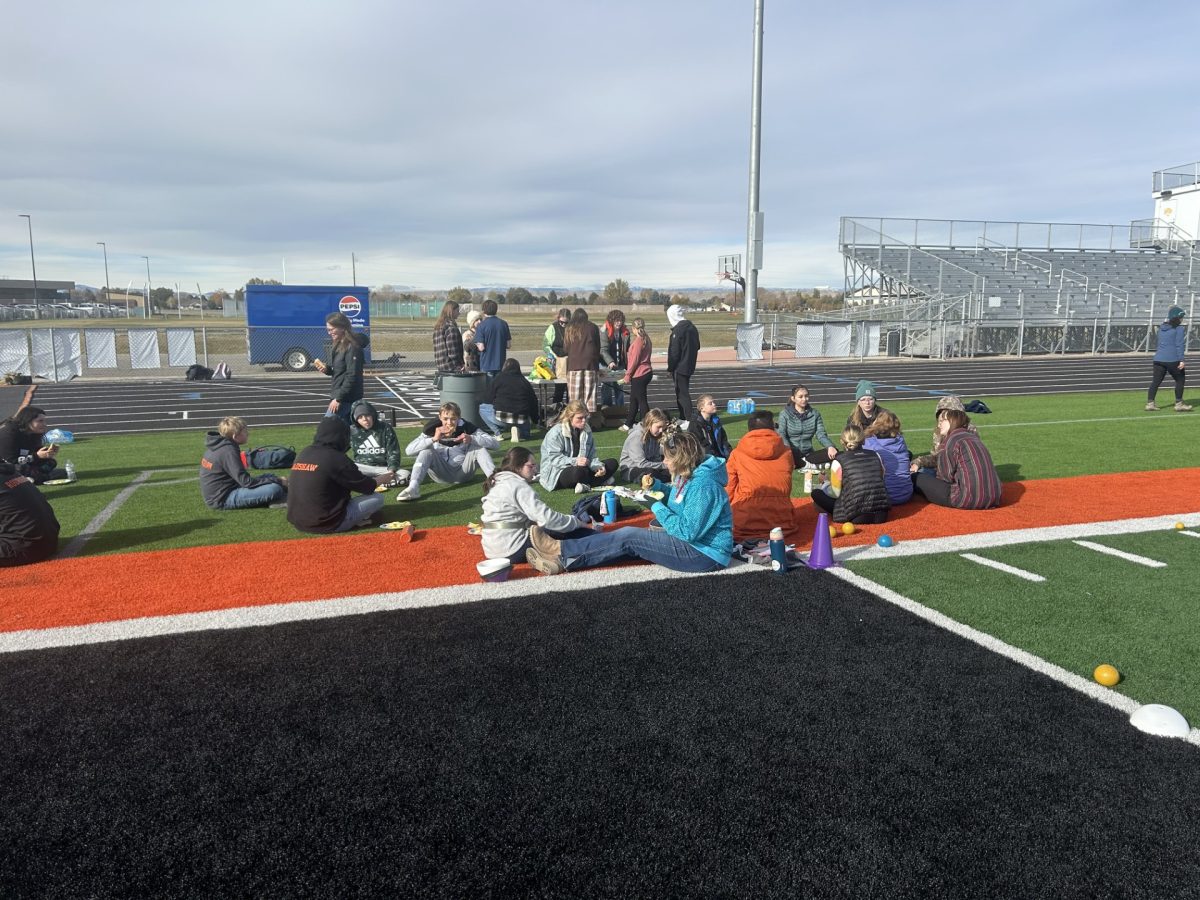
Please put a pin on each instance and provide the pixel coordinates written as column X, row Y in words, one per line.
column 750, row 736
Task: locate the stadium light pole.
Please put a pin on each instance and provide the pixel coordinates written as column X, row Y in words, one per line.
column 754, row 218
column 149, row 286
column 106, row 291
column 37, row 307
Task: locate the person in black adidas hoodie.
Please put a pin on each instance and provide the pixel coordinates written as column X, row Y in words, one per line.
column 28, row 527
column 224, row 481
column 323, row 478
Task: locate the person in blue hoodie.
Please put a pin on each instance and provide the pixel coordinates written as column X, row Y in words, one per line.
column 1168, row 358
column 885, row 439
column 696, row 520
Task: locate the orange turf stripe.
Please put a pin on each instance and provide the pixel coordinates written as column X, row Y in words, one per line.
column 197, row 579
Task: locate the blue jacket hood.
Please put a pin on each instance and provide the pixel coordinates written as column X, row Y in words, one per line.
column 714, row 468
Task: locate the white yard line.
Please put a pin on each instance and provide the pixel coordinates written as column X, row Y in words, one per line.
column 1002, row 567
column 1121, row 554
column 92, row 527
column 398, row 396
column 1195, row 534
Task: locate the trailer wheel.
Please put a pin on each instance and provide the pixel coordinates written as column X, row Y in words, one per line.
column 296, row 359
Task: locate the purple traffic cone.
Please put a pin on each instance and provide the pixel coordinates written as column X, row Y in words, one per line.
column 821, row 554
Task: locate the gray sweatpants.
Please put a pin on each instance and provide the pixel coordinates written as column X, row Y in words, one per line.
column 433, row 464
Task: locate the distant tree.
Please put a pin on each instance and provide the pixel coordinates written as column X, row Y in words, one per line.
column 552, row 297
column 217, row 298
column 163, row 298
column 617, row 292
column 680, row 299
column 495, row 295
column 519, row 295
column 459, row 295
column 593, row 298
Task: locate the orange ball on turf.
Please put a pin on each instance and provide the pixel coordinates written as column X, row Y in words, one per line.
column 848, row 528
column 1106, row 675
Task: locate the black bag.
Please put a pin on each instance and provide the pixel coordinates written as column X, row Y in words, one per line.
column 589, row 505
column 272, row 456
column 197, row 372
column 978, row 407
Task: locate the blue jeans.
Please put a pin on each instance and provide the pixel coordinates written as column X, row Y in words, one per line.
column 248, row 498
column 343, row 412
column 636, row 543
column 487, row 413
column 611, row 394
column 360, row 509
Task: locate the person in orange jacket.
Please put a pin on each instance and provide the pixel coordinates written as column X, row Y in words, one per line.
column 760, row 482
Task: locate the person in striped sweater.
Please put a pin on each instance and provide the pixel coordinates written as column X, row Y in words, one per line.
column 966, row 477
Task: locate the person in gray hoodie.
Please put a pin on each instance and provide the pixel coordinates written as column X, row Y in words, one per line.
column 510, row 506
column 642, row 453
column 1168, row 358
column 224, row 481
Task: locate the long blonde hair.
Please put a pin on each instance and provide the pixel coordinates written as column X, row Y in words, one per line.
column 684, row 450
column 570, row 410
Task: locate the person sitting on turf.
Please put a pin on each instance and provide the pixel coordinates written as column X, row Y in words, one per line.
column 864, row 498
column 697, row 524
column 966, row 477
column 641, row 454
column 884, row 438
column 929, row 460
column 28, row 527
column 448, row 450
column 510, row 506
column 569, row 457
column 760, row 482
column 22, row 443
column 802, row 429
column 323, row 478
column 374, row 445
column 707, row 426
column 865, row 409
column 224, row 481
column 510, row 401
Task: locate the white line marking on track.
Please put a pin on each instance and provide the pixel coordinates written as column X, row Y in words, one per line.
column 1121, row 554
column 1107, row 696
column 1002, row 567
column 89, row 530
column 403, row 400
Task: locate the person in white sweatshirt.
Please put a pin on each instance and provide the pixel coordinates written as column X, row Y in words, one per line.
column 448, row 450
column 510, row 506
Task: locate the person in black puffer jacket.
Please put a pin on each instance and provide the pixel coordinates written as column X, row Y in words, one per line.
column 864, row 498
column 510, row 400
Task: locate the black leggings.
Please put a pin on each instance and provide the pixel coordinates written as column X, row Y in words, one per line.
column 683, row 395
column 573, row 475
column 639, row 405
column 634, row 475
column 932, row 488
column 817, row 458
column 1161, row 371
column 826, row 503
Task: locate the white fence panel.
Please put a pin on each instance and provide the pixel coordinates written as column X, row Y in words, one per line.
column 181, row 346
column 143, row 348
column 101, row 348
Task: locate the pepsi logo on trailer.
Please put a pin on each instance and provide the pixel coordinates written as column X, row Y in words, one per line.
column 349, row 306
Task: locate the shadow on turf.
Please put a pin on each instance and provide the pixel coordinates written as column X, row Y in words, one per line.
column 135, row 539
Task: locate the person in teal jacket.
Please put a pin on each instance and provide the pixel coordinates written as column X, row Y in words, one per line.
column 696, row 520
column 803, row 430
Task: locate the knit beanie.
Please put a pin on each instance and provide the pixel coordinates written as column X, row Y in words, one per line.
column 1176, row 312
column 865, row 389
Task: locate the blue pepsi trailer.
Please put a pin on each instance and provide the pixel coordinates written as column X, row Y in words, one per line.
column 285, row 324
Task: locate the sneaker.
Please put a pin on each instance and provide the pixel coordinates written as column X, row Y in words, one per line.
column 515, row 434
column 1151, row 406
column 1180, row 406
column 282, row 504
column 623, row 428
column 402, row 476
column 581, row 488
column 543, row 543
column 412, row 492
column 542, row 564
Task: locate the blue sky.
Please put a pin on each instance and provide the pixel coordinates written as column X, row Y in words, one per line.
column 562, row 143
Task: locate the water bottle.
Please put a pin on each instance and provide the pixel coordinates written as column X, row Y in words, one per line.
column 747, row 405
column 70, row 467
column 608, row 506
column 778, row 551
column 808, row 481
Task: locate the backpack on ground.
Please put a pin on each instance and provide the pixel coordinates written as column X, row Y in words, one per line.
column 589, row 504
column 272, row 456
column 197, row 372
column 222, row 371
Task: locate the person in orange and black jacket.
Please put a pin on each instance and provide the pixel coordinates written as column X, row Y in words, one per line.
column 28, row 527
column 322, row 480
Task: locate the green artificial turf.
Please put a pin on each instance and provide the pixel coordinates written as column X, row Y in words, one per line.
column 1091, row 609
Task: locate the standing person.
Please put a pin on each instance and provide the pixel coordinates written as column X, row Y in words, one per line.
column 448, row 450
column 374, row 445
column 864, row 497
column 569, row 457
column 697, row 524
column 447, row 341
column 642, row 453
column 614, row 353
column 706, row 425
column 493, row 339
column 554, row 348
column 1168, row 358
column 681, row 357
column 323, row 478
column 224, row 481
column 511, row 401
column 28, row 526
column 345, row 366
column 802, row 429
column 470, row 349
column 760, row 483
column 638, row 374
column 885, row 438
column 966, row 476
column 510, row 506
column 22, row 443
column 866, row 409
column 582, row 343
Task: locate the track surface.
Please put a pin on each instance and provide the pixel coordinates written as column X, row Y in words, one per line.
column 131, row 407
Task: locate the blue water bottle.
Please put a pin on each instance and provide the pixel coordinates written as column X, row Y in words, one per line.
column 778, row 551
column 608, row 506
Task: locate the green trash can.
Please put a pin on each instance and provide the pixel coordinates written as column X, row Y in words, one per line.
column 467, row 389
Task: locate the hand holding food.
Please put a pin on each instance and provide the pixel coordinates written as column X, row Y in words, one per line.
column 647, row 482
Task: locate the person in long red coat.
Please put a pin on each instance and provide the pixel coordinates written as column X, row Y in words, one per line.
column 760, row 483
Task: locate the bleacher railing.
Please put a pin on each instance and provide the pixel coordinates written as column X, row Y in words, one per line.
column 955, row 233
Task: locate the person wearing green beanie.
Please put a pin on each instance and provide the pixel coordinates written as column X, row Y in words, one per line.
column 867, row 410
column 1168, row 359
